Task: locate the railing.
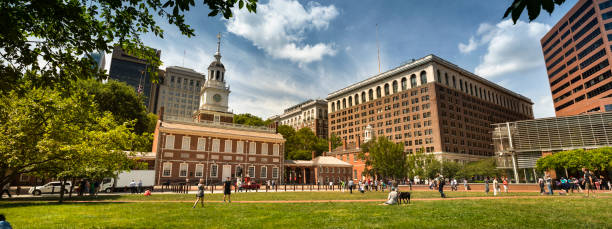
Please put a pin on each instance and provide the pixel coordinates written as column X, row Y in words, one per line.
column 224, row 125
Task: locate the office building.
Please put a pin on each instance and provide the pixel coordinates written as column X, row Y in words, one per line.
column 131, row 70
column 179, row 91
column 311, row 114
column 578, row 55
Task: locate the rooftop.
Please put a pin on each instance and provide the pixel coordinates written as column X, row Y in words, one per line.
column 218, row 127
column 319, row 161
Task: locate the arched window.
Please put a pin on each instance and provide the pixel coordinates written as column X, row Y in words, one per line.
column 454, row 83
column 350, row 101
column 371, row 95
column 217, row 75
column 363, row 98
column 338, row 105
column 222, row 76
column 395, row 86
column 461, row 84
column 378, row 93
column 446, row 79
column 343, row 103
column 413, row 82
column 386, row 89
column 423, row 78
column 356, row 99
column 404, row 83
column 439, row 77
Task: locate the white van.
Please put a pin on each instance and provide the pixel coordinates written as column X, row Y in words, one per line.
column 51, row 187
column 122, row 183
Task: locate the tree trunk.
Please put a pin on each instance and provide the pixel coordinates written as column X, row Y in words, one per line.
column 62, row 188
column 71, row 188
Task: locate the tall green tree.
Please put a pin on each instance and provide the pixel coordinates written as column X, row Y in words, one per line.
column 300, row 144
column 55, row 135
column 573, row 160
column 484, row 167
column 384, row 158
column 48, row 42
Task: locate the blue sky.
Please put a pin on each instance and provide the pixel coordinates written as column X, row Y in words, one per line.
column 291, row 50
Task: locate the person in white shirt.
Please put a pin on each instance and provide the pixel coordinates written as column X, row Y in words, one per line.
column 391, row 198
column 495, row 185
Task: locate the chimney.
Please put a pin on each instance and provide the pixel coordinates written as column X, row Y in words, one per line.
column 358, row 141
column 329, row 143
column 344, row 144
column 161, row 113
column 313, row 155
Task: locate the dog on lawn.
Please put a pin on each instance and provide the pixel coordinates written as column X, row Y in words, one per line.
column 403, row 196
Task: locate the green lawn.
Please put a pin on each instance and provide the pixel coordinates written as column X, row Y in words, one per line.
column 556, row 212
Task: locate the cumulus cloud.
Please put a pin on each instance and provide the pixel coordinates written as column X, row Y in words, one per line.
column 279, row 28
column 510, row 48
column 544, row 107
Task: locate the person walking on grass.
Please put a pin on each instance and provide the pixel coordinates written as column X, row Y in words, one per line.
column 350, row 186
column 495, row 185
column 227, row 190
column 441, row 182
column 587, row 181
column 139, row 186
column 541, row 184
column 505, row 183
column 200, row 194
column 465, row 184
column 548, row 181
column 5, row 189
column 486, row 181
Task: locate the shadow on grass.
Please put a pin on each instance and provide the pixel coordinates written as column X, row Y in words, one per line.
column 56, row 198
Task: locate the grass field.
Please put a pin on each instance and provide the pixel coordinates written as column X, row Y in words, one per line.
column 528, row 212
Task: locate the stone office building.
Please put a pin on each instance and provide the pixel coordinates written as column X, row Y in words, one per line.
column 179, row 92
column 311, row 114
column 428, row 104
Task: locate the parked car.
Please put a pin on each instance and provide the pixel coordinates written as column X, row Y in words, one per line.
column 51, row 187
column 251, row 186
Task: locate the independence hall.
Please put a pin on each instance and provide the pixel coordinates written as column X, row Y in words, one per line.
column 428, row 104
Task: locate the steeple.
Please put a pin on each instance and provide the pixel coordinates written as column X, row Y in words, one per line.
column 218, row 53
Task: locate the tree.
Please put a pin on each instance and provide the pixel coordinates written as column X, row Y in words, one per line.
column 48, row 42
column 533, row 8
column 484, row 167
column 250, row 120
column 450, row 168
column 384, row 158
column 422, row 164
column 48, row 133
column 335, row 140
column 300, row 144
column 573, row 160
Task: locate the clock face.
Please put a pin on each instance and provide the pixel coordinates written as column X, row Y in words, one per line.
column 217, row 98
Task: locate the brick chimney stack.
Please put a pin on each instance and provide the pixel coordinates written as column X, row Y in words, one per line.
column 344, row 144
column 329, row 144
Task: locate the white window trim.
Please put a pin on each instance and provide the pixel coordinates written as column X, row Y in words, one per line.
column 169, row 142
column 275, row 175
column 218, row 145
column 201, row 166
column 264, row 149
column 213, row 170
column 227, row 149
column 170, row 169
column 249, row 171
column 186, row 143
column 275, row 149
column 240, row 147
column 252, row 148
column 181, row 169
column 201, row 144
column 261, row 172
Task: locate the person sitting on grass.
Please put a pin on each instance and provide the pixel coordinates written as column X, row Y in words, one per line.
column 391, row 198
column 3, row 223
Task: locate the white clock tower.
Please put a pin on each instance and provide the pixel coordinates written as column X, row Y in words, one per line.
column 214, row 94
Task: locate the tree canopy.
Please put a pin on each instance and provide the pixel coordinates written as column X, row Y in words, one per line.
column 484, row 167
column 384, row 158
column 54, row 135
column 49, row 42
column 533, row 8
column 250, row 120
column 300, row 144
column 594, row 159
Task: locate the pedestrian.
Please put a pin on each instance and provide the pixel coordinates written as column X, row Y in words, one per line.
column 200, row 194
column 495, row 184
column 465, row 184
column 133, row 187
column 350, row 186
column 82, row 187
column 441, row 182
column 227, row 190
column 5, row 189
column 3, row 223
column 548, row 181
column 342, row 185
column 139, row 186
column 375, row 185
column 541, row 183
column 486, row 181
column 505, row 183
column 187, row 185
column 588, row 181
column 410, row 184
